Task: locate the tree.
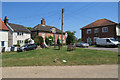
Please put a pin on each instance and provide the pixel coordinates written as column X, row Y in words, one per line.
column 29, row 28
column 79, row 40
column 27, row 41
column 71, row 37
column 38, row 40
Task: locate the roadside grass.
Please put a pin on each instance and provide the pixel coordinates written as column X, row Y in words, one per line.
column 45, row 57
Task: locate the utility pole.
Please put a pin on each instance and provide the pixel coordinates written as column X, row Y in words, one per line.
column 62, row 27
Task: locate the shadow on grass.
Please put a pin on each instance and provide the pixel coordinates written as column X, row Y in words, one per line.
column 56, row 49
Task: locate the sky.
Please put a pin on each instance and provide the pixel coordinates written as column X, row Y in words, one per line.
column 76, row 14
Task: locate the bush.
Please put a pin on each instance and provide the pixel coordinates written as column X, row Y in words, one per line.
column 26, row 41
column 38, row 40
column 50, row 41
column 17, row 45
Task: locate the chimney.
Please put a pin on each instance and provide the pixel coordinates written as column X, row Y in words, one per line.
column 43, row 21
column 5, row 20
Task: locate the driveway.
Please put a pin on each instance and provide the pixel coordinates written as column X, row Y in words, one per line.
column 83, row 71
column 106, row 49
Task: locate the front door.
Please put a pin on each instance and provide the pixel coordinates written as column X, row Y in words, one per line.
column 89, row 41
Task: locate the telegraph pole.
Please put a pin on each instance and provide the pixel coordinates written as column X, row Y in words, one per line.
column 62, row 27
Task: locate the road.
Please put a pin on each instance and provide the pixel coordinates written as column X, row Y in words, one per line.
column 83, row 71
column 107, row 49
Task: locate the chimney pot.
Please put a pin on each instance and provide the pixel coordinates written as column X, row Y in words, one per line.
column 43, row 21
column 5, row 20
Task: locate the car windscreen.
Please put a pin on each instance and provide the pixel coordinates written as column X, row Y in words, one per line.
column 113, row 40
column 24, row 45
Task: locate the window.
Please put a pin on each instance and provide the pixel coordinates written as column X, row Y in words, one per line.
column 107, row 40
column 22, row 33
column 20, row 41
column 96, row 30
column 2, row 43
column 19, row 33
column 105, row 29
column 88, row 31
column 43, row 35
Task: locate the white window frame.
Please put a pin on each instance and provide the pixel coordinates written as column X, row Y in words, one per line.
column 96, row 30
column 88, row 31
column 103, row 29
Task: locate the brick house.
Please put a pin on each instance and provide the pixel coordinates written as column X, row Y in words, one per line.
column 102, row 28
column 44, row 30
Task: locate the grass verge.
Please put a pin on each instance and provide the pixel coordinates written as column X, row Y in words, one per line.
column 45, row 57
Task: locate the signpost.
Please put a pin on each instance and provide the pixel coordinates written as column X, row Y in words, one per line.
column 54, row 31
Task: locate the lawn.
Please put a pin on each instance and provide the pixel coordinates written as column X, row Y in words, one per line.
column 46, row 57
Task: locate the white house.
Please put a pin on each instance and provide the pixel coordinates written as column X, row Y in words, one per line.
column 17, row 33
column 3, row 36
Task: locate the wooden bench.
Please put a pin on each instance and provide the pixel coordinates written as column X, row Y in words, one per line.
column 70, row 47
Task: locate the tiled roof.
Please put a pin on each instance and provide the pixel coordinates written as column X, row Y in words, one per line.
column 45, row 28
column 3, row 26
column 100, row 22
column 18, row 28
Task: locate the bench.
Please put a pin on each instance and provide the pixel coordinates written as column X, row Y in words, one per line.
column 70, row 47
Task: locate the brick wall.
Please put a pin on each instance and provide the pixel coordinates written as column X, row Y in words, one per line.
column 111, row 33
column 51, row 34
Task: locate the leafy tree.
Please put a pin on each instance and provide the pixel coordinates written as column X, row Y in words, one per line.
column 79, row 40
column 29, row 28
column 38, row 40
column 71, row 37
column 27, row 41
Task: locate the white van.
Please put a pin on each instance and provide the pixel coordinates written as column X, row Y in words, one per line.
column 107, row 42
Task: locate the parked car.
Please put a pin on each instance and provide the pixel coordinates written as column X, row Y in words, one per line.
column 81, row 44
column 111, row 42
column 27, row 47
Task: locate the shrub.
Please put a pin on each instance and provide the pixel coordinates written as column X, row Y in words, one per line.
column 26, row 41
column 38, row 40
column 50, row 41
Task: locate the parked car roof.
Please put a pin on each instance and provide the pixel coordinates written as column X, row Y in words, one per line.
column 100, row 22
column 18, row 28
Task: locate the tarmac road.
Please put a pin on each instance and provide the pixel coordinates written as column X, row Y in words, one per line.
column 103, row 48
column 83, row 71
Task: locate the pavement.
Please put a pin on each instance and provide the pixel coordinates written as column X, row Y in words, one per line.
column 106, row 49
column 83, row 71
